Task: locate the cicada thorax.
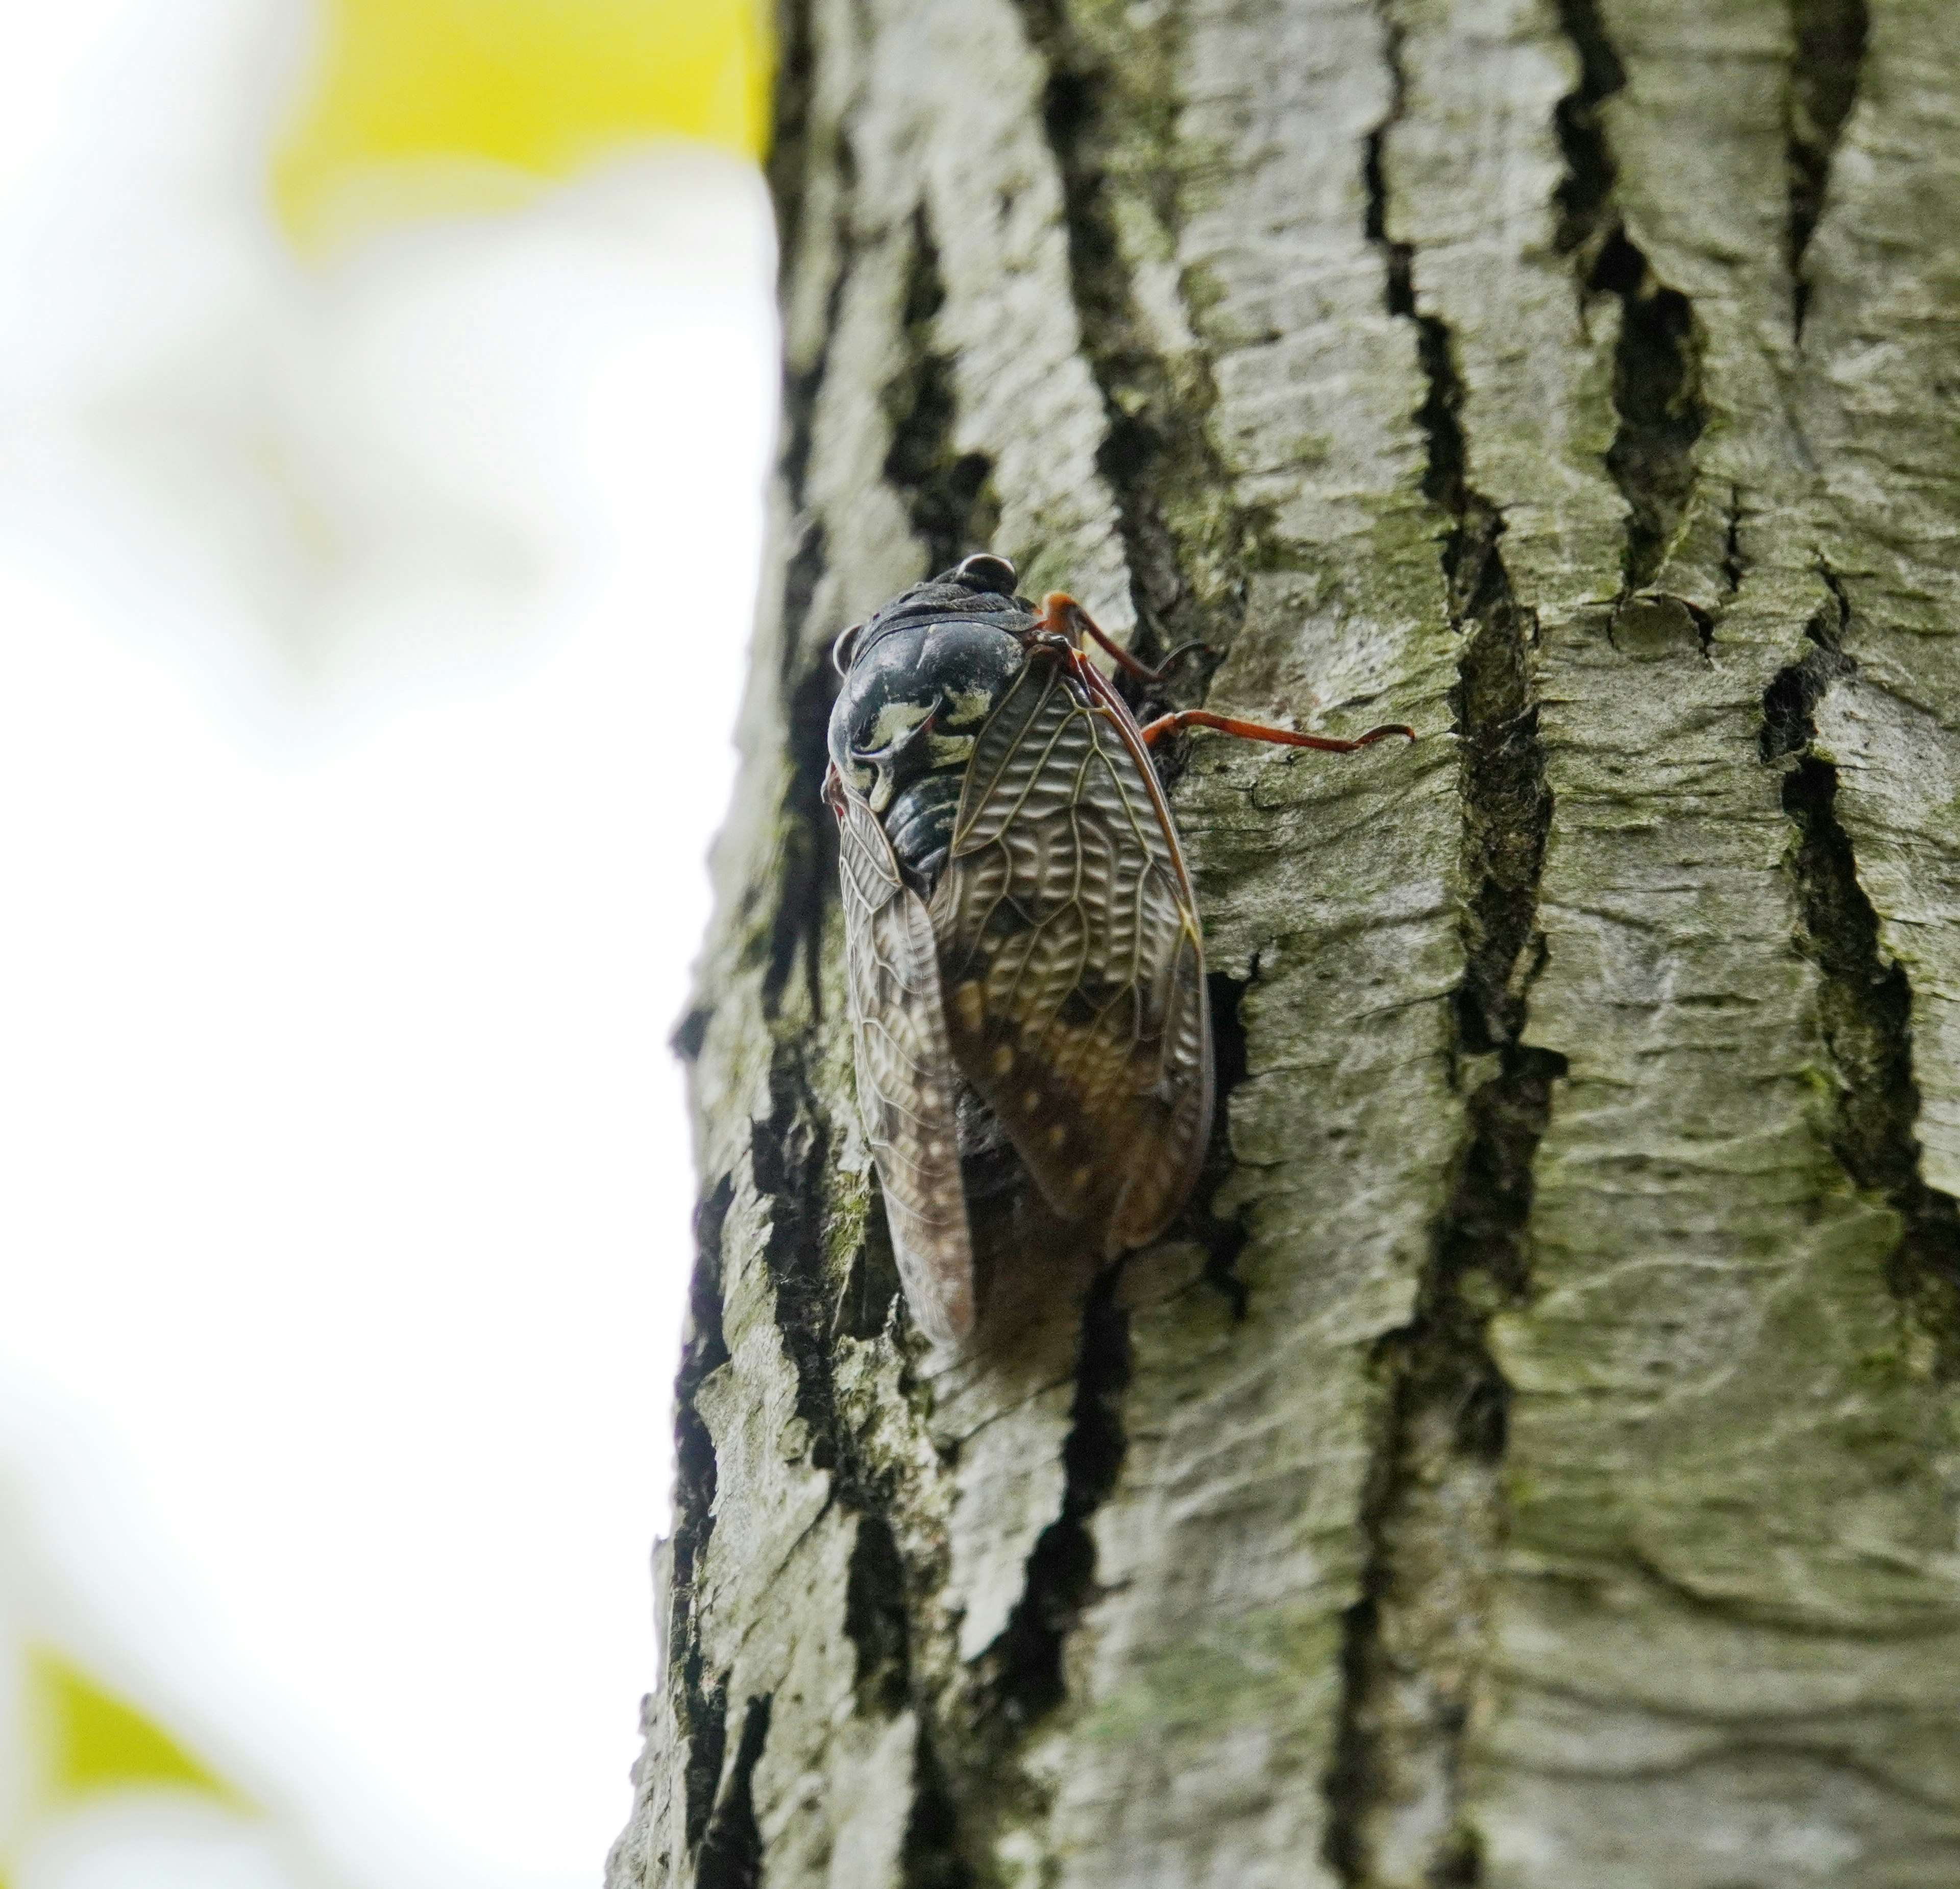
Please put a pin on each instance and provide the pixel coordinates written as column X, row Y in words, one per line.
column 924, row 677
column 925, row 674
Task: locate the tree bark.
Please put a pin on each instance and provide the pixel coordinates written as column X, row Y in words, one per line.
column 1533, row 1461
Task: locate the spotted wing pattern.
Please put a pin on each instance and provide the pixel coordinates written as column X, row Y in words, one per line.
column 904, row 1073
column 1070, row 957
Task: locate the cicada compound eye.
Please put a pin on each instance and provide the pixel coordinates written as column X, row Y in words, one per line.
column 984, row 572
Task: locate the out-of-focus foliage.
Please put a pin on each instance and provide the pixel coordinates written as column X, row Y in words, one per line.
column 85, row 1745
column 422, row 105
column 85, row 1739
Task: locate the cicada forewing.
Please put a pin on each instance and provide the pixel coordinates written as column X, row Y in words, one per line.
column 905, row 1072
column 1069, row 951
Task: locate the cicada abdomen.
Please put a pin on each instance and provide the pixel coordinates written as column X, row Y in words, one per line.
column 1024, row 962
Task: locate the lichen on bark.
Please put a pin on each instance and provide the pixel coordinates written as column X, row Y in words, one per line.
column 1532, row 1460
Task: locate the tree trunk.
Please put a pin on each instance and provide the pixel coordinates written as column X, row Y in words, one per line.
column 1533, row 1461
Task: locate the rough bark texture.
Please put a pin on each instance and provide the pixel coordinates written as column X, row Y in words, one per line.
column 1533, row 1462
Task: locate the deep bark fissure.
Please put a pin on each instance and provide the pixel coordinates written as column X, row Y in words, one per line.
column 810, row 842
column 1021, row 1677
column 1827, row 58
column 1584, row 195
column 1433, row 1514
column 1110, row 119
column 790, row 1155
column 1657, row 362
column 795, row 934
column 731, row 1853
column 1864, row 999
column 786, row 164
column 876, row 1620
column 1223, row 1239
column 1735, row 565
column 700, row 1710
column 800, row 389
column 931, row 1857
column 948, row 495
column 705, row 1727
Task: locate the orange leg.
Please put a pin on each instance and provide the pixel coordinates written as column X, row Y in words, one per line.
column 1062, row 616
column 1152, row 731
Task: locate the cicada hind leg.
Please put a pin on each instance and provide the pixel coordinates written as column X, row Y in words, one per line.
column 1154, row 731
column 1062, row 616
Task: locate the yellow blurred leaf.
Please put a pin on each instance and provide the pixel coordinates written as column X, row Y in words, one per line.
column 85, row 1739
column 447, row 104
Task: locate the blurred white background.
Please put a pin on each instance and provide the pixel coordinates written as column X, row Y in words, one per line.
column 372, row 621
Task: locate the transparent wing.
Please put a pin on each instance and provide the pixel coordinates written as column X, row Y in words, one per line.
column 1069, row 957
column 905, row 1074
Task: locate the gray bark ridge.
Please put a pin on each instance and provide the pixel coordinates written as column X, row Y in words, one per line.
column 1533, row 1462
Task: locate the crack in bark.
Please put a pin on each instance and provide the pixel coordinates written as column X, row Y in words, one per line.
column 1734, row 566
column 809, row 838
column 974, row 1785
column 1657, row 364
column 1222, row 1241
column 1110, row 114
column 1826, row 61
column 1021, row 1674
column 1433, row 1516
column 705, row 1728
column 807, row 866
column 948, row 495
column 700, row 1711
column 876, row 1620
column 731, row 1853
column 1864, row 999
column 786, row 165
column 931, row 1857
column 790, row 1155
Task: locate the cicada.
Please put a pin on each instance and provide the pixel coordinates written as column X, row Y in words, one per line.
column 1022, row 943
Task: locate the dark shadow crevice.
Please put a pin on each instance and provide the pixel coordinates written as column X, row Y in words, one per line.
column 876, row 1620
column 700, row 1709
column 1584, row 195
column 789, row 1156
column 1827, row 57
column 792, row 931
column 1109, row 109
column 1021, row 1675
column 948, row 495
column 731, row 1850
column 787, row 165
column 1433, row 1516
column 705, row 1728
column 807, row 867
column 931, row 1858
column 1658, row 392
column 1223, row 1240
column 1864, row 998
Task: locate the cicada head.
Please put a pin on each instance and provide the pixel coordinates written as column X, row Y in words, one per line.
column 921, row 675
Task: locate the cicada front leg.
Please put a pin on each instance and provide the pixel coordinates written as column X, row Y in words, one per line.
column 1062, row 616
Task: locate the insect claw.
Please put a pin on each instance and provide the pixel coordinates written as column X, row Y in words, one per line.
column 1176, row 656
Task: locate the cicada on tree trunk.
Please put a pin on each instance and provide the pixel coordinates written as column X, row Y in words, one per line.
column 1024, row 960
